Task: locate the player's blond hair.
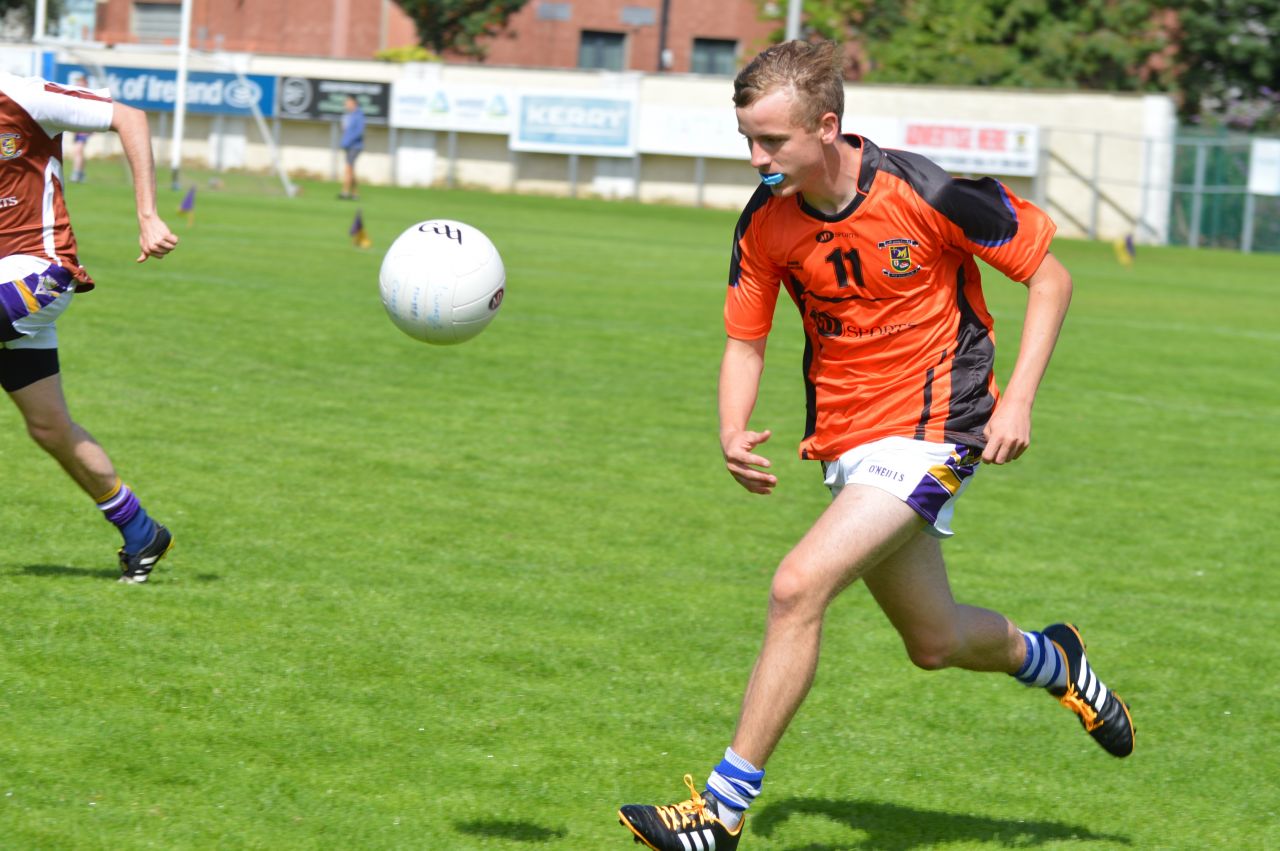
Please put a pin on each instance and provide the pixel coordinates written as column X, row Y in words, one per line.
column 812, row 70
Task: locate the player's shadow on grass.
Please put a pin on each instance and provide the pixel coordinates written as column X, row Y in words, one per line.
column 59, row 570
column 515, row 831
column 890, row 827
column 63, row 570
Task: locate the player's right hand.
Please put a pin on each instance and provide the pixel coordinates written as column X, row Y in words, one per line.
column 154, row 238
column 743, row 464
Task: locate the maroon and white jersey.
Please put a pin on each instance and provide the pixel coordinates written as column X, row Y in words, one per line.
column 33, row 213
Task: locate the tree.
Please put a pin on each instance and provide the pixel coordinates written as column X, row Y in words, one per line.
column 1096, row 44
column 854, row 23
column 1099, row 44
column 1228, row 61
column 20, row 15
column 1219, row 58
column 459, row 26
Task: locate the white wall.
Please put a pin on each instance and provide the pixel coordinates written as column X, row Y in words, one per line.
column 1106, row 158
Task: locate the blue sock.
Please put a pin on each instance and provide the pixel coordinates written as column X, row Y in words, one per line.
column 122, row 508
column 1043, row 666
column 735, row 782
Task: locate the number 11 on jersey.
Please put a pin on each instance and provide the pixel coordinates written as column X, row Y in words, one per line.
column 837, row 259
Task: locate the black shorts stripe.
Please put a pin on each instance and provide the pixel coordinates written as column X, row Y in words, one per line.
column 22, row 367
column 7, row 331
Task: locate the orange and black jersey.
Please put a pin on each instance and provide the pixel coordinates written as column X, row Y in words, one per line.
column 899, row 342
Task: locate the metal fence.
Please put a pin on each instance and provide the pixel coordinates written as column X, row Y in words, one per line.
column 1211, row 205
column 1106, row 185
column 1191, row 189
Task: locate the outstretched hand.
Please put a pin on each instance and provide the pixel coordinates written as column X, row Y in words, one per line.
column 155, row 239
column 742, row 462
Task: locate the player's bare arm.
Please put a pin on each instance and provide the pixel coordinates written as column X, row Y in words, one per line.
column 1048, row 294
column 154, row 237
column 740, row 372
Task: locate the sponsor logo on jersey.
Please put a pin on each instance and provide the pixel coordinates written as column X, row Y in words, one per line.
column 10, row 201
column 826, row 324
column 10, row 146
column 825, row 236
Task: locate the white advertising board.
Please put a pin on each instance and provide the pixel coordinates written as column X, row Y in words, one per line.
column 1264, row 167
column 430, row 105
column 690, row 131
column 597, row 124
column 970, row 147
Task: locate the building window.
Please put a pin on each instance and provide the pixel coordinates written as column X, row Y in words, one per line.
column 714, row 56
column 638, row 16
column 601, row 50
column 554, row 11
column 157, row 21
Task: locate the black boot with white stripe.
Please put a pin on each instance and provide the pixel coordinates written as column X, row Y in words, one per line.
column 692, row 825
column 1102, row 713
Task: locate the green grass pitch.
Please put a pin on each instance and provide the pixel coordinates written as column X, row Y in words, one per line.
column 477, row 597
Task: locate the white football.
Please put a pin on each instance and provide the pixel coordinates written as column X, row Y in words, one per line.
column 442, row 281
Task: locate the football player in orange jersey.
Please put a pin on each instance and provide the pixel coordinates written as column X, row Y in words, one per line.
column 877, row 250
column 40, row 271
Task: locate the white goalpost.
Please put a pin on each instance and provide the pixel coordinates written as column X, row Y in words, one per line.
column 236, row 64
column 180, row 98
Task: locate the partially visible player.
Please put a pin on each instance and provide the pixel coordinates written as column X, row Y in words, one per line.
column 78, row 141
column 878, row 250
column 41, row 272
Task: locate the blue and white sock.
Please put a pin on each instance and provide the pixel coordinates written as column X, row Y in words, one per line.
column 123, row 510
column 1043, row 666
column 735, row 782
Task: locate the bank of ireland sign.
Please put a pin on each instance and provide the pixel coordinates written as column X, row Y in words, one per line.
column 596, row 124
column 156, row 90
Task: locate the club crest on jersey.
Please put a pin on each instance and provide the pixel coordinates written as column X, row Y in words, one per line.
column 900, row 262
column 10, row 146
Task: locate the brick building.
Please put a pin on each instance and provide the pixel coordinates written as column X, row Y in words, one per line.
column 338, row 29
column 631, row 35
column 620, row 35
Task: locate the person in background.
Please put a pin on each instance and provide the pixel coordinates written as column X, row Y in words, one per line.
column 77, row 156
column 352, row 145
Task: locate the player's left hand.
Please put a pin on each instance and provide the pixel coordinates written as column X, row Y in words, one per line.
column 1008, row 434
column 154, row 238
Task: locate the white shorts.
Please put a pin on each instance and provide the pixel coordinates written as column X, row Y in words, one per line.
column 36, row 327
column 926, row 476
